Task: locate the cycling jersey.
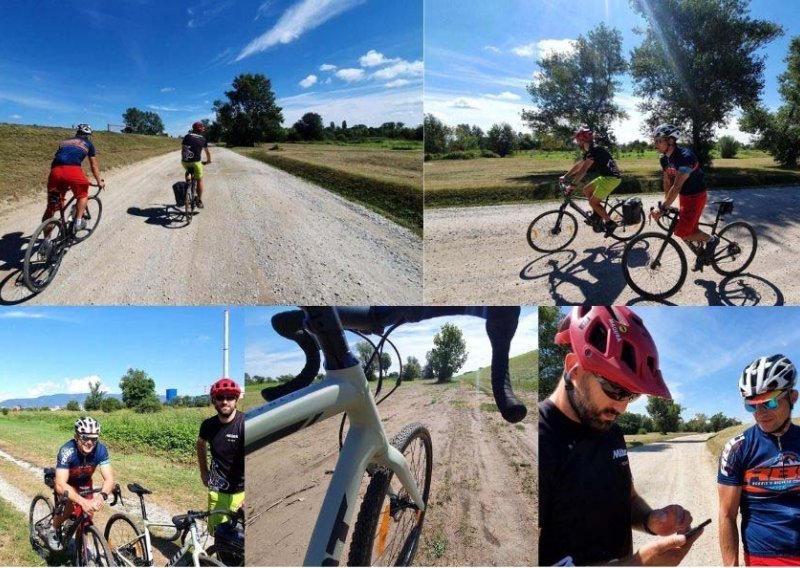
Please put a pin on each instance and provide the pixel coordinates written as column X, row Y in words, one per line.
column 226, row 473
column 192, row 148
column 603, row 164
column 81, row 466
column 72, row 151
column 767, row 468
column 684, row 161
column 585, row 487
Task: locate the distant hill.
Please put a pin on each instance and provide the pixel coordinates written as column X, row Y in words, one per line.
column 52, row 400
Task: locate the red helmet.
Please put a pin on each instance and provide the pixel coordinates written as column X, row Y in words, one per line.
column 583, row 134
column 613, row 342
column 225, row 386
column 198, row 127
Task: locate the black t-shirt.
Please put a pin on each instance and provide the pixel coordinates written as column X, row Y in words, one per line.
column 604, row 164
column 192, row 150
column 226, row 473
column 584, row 491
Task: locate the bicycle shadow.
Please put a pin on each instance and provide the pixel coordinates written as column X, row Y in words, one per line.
column 742, row 290
column 12, row 255
column 166, row 216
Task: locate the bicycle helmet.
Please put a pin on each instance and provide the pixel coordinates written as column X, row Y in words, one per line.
column 198, row 127
column 765, row 375
column 83, row 130
column 613, row 342
column 666, row 130
column 87, row 425
column 225, row 386
column 583, row 134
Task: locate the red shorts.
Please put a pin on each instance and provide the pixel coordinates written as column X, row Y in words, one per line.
column 691, row 208
column 63, row 178
column 770, row 560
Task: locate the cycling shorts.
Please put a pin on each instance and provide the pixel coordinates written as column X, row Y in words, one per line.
column 195, row 167
column 691, row 208
column 217, row 500
column 750, row 560
column 604, row 185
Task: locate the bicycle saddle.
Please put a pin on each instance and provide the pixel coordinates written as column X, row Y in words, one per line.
column 138, row 489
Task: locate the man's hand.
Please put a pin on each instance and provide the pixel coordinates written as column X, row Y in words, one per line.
column 101, row 183
column 669, row 520
column 92, row 505
column 666, row 551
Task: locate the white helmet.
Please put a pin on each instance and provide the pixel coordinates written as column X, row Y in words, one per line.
column 767, row 374
column 87, row 425
column 666, row 130
column 83, row 130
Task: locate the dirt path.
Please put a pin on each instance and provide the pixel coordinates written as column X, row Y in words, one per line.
column 265, row 237
column 483, row 503
column 481, row 255
column 681, row 471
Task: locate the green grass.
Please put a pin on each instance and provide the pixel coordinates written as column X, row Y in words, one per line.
column 524, row 370
column 635, row 440
column 717, row 442
column 15, row 549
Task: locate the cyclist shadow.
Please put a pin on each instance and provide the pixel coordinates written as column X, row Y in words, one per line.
column 168, row 548
column 165, row 216
column 12, row 254
column 742, row 290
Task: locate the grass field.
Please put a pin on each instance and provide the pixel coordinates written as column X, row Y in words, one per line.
column 528, row 176
column 717, row 443
column 524, row 371
column 635, row 440
column 15, row 550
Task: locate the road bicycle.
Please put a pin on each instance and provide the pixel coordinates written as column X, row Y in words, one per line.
column 190, row 198
column 132, row 546
column 90, row 547
column 555, row 230
column 391, row 515
column 655, row 265
column 51, row 240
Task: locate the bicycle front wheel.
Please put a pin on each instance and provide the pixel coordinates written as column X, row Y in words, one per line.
column 552, row 231
column 125, row 540
column 44, row 254
column 388, row 526
column 736, row 249
column 92, row 213
column 188, row 203
column 625, row 232
column 40, row 520
column 203, row 560
column 654, row 265
column 94, row 550
column 226, row 557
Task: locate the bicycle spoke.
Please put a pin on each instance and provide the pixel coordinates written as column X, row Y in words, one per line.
column 654, row 266
column 736, row 249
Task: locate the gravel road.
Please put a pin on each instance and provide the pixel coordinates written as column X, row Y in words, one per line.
column 481, row 255
column 265, row 237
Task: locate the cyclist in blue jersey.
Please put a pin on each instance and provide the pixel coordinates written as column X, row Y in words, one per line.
column 759, row 471
column 75, row 465
column 194, row 143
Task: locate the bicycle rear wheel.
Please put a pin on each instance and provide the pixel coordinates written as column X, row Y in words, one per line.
column 43, row 256
column 736, row 249
column 654, row 265
column 125, row 540
column 226, row 557
column 92, row 214
column 204, row 560
column 388, row 526
column 188, row 202
column 40, row 521
column 625, row 232
column 94, row 550
column 552, row 231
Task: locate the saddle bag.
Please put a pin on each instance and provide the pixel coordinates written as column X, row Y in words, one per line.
column 50, row 477
column 179, row 189
column 726, row 206
column 632, row 211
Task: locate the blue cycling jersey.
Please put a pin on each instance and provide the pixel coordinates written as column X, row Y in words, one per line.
column 684, row 161
column 81, row 466
column 72, row 151
column 767, row 468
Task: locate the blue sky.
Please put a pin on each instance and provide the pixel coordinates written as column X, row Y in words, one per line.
column 268, row 354
column 61, row 350
column 480, row 76
column 353, row 60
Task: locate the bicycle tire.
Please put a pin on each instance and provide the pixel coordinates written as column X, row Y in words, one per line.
column 643, row 276
column 39, row 270
column 624, row 232
column 92, row 214
column 36, row 516
column 188, row 202
column 203, row 560
column 231, row 558
column 126, row 548
column 733, row 241
column 373, row 532
column 94, row 549
column 546, row 229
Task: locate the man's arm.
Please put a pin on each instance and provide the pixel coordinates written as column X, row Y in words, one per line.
column 665, row 521
column 61, row 486
column 208, row 155
column 640, row 511
column 108, row 478
column 584, row 167
column 202, row 460
column 729, row 500
column 671, row 194
column 96, row 171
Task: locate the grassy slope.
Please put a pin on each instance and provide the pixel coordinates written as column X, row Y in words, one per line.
column 15, row 550
column 524, row 374
column 717, row 443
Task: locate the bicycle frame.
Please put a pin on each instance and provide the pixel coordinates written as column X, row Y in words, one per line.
column 695, row 246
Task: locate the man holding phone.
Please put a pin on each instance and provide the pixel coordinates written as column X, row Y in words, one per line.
column 759, row 471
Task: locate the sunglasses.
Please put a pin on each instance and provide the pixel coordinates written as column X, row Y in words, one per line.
column 85, row 438
column 614, row 391
column 659, row 140
column 222, row 397
column 770, row 404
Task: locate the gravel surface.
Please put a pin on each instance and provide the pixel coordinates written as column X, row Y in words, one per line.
column 481, row 255
column 264, row 237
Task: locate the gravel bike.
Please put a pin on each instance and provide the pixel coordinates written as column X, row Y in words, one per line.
column 190, row 197
column 90, row 546
column 390, row 519
column 554, row 230
column 655, row 265
column 51, row 240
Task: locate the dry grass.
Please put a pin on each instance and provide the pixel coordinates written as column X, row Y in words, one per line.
column 635, row 440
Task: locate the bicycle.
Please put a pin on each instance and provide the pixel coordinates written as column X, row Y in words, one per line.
column 651, row 260
column 190, row 198
column 554, row 230
column 53, row 237
column 132, row 546
column 389, row 522
column 91, row 548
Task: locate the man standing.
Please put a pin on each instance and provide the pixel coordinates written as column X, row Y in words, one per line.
column 759, row 471
column 588, row 503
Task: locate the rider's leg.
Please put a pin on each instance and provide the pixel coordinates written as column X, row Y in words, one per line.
column 198, row 174
column 688, row 229
column 200, row 189
column 597, row 206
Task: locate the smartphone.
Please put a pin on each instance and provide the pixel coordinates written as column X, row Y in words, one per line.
column 692, row 531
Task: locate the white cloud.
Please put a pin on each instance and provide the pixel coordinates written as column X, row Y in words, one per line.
column 548, row 47
column 43, row 388
column 327, row 67
column 167, row 89
column 69, row 386
column 492, row 48
column 308, row 81
column 373, row 58
column 464, row 103
column 505, row 96
column 22, row 314
column 15, row 116
column 400, row 69
column 350, row 75
column 171, row 109
column 397, row 83
column 300, row 18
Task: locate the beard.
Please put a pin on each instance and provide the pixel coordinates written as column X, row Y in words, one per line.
column 588, row 414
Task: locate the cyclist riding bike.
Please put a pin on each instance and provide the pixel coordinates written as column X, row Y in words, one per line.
column 66, row 174
column 683, row 176
column 758, row 471
column 596, row 160
column 192, row 147
column 75, row 465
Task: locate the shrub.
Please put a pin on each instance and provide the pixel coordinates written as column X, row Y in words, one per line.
column 642, row 431
column 73, row 405
column 148, row 405
column 110, row 404
column 462, row 155
column 489, row 154
column 5, row 411
column 728, row 147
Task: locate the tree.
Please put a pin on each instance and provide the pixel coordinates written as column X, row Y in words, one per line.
column 630, row 422
column 365, row 351
column 95, row 398
column 436, row 133
column 310, row 127
column 579, row 87
column 142, row 122
column 412, row 369
column 666, row 414
column 464, row 139
column 728, row 147
column 386, row 362
column 697, row 424
column 73, row 405
column 698, row 63
column 551, row 356
column 449, row 353
column 719, row 422
column 250, row 115
column 501, row 139
column 110, row 404
column 138, row 390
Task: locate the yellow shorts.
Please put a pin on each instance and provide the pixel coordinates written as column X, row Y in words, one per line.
column 604, row 185
column 196, row 167
column 217, row 500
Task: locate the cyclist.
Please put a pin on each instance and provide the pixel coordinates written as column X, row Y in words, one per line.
column 596, row 160
column 224, row 433
column 683, row 176
column 758, row 471
column 193, row 145
column 75, row 465
column 66, row 173
column 588, row 502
